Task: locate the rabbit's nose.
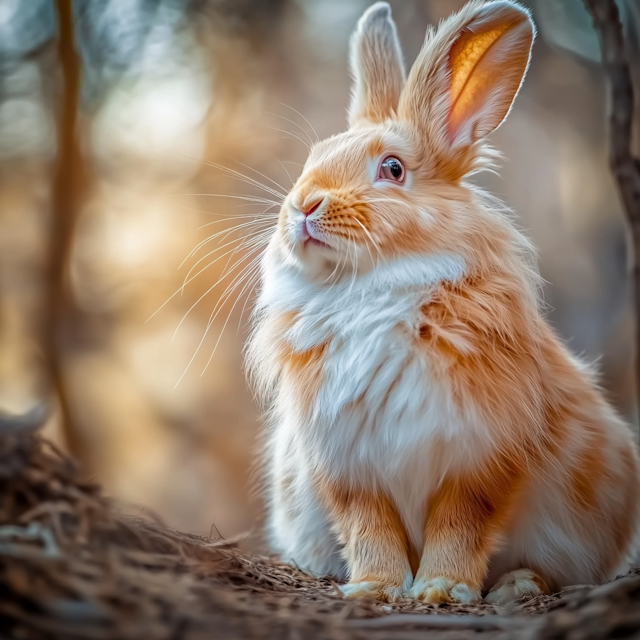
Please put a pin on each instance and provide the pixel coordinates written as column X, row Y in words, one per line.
column 311, row 207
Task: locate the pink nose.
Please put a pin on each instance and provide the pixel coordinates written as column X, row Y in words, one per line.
column 309, row 208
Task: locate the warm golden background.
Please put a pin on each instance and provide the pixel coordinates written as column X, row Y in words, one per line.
column 171, row 91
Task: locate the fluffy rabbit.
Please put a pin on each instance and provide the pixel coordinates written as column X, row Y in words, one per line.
column 429, row 434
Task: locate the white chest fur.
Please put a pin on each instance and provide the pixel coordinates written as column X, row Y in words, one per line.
column 379, row 417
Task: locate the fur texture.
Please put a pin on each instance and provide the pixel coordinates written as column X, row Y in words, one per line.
column 428, row 432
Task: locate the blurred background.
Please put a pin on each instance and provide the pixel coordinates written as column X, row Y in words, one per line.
column 99, row 230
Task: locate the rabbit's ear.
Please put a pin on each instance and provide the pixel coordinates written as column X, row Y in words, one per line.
column 376, row 66
column 468, row 73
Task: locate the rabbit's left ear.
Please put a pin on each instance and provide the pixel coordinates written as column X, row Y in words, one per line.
column 468, row 73
column 376, row 67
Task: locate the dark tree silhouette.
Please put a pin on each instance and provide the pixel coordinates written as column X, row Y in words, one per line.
column 68, row 178
column 624, row 165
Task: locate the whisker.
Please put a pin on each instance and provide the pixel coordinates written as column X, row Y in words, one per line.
column 232, row 196
column 200, row 244
column 181, row 289
column 214, row 251
column 226, row 217
column 244, row 241
column 346, row 260
column 254, row 242
column 244, row 273
column 293, row 135
column 263, row 175
column 287, row 172
column 355, row 265
column 248, row 297
column 250, row 244
column 235, row 227
column 370, row 238
column 342, row 268
column 231, row 287
column 224, row 326
column 244, row 178
column 366, row 244
column 293, row 122
column 254, row 216
column 250, row 281
column 315, row 133
column 206, row 293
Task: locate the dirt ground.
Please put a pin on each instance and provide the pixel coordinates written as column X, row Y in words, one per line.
column 73, row 567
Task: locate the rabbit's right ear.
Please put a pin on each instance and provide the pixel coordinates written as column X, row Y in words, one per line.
column 376, row 66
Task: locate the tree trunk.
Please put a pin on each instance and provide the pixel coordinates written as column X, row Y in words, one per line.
column 624, row 166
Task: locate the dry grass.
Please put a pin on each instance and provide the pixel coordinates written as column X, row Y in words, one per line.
column 72, row 567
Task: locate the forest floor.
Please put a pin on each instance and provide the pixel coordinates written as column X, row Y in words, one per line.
column 72, row 567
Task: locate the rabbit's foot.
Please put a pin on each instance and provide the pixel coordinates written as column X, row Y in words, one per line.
column 522, row 583
column 372, row 589
column 443, row 591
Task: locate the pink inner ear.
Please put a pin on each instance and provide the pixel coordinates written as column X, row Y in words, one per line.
column 486, row 69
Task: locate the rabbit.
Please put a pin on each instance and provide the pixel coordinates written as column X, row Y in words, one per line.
column 429, row 435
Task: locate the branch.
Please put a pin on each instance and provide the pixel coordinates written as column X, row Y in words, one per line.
column 65, row 202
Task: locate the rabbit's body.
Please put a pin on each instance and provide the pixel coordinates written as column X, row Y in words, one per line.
column 365, row 423
column 428, row 430
column 367, row 401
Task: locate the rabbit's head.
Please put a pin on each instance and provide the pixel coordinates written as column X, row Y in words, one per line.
column 392, row 184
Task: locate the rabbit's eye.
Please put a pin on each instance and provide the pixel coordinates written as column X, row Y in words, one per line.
column 391, row 169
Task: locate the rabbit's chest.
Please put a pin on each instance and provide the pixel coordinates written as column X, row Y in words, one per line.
column 379, row 410
column 382, row 419
column 368, row 403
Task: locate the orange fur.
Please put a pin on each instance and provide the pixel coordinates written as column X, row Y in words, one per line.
column 509, row 365
column 376, row 546
column 423, row 404
column 303, row 367
column 584, row 479
column 466, row 519
column 377, row 67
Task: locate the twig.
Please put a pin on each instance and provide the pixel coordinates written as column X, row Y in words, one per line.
column 34, row 531
column 625, row 168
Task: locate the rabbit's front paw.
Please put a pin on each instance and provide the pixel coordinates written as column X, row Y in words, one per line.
column 375, row 590
column 443, row 591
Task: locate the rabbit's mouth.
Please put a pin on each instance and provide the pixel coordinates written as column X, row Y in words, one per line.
column 316, row 243
column 309, row 235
